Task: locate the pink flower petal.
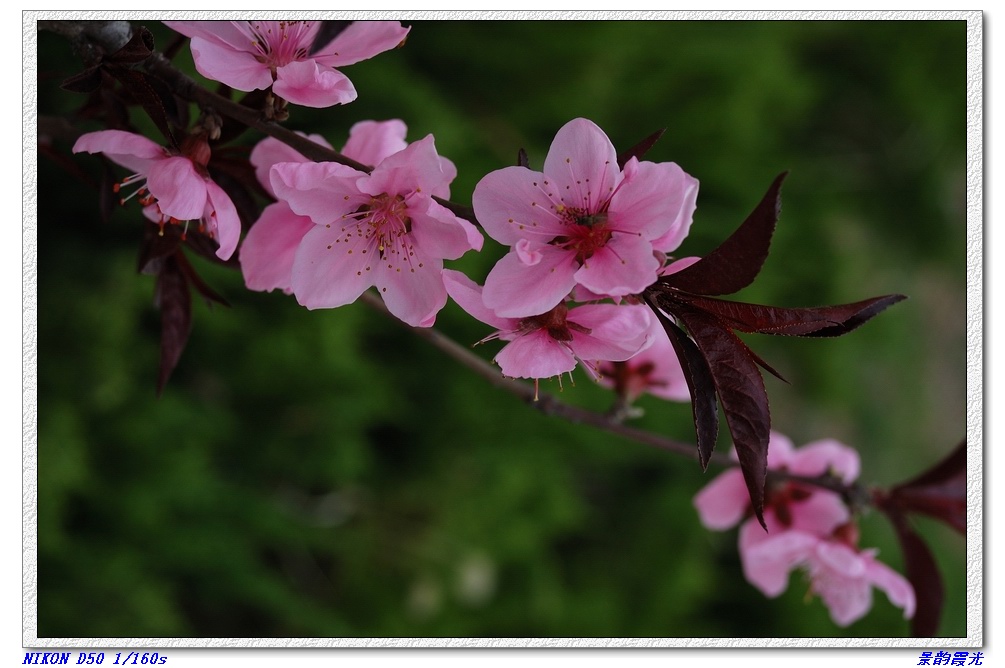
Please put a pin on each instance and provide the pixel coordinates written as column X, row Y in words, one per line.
column 779, row 450
column 897, row 588
column 221, row 214
column 819, row 514
column 270, row 151
column 239, row 69
column 323, row 191
column 649, row 202
column 535, row 355
column 682, row 223
column 583, row 164
column 625, row 265
column 361, row 40
column 515, row 290
column 516, row 203
column 722, row 503
column 235, row 34
column 371, row 142
column 616, row 332
column 417, row 168
column 414, row 296
column 270, row 246
column 439, row 233
column 766, row 565
column 130, row 150
column 305, row 83
column 330, row 269
column 179, row 189
column 468, row 296
column 820, row 457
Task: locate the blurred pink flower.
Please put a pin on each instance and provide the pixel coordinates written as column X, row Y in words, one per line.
column 172, row 187
column 582, row 221
column 841, row 575
column 380, row 229
column 550, row 344
column 655, row 370
column 253, row 55
column 269, row 249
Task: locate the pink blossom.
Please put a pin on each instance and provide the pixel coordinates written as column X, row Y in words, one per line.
column 551, row 343
column 724, row 502
column 840, row 574
column 655, row 370
column 253, row 55
column 380, row 229
column 582, row 221
column 269, row 248
column 173, row 187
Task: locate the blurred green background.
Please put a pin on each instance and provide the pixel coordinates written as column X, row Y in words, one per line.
column 330, row 474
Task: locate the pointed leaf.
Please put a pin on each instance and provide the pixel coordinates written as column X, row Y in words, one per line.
column 136, row 50
column 699, row 383
column 87, row 81
column 923, row 574
column 208, row 293
column 741, row 392
column 817, row 322
column 329, row 31
column 737, row 261
column 153, row 95
column 157, row 245
column 640, row 149
column 940, row 492
column 521, row 159
column 175, row 303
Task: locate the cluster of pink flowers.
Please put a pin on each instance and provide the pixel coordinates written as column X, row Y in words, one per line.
column 582, row 229
column 807, row 528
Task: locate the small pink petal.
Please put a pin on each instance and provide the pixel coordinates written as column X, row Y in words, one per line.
column 583, row 164
column 766, row 565
column 625, row 265
column 535, row 355
column 330, row 269
column 414, row 296
column 678, row 265
column 897, row 588
column 305, row 83
column 615, row 332
column 130, row 150
column 371, row 142
column 270, row 246
column 516, row 203
column 528, row 252
column 820, row 457
column 223, row 220
column 270, row 151
column 239, row 69
column 779, row 450
column 360, row 41
column 649, row 201
column 439, row 233
column 468, row 296
column 722, row 503
column 682, row 224
column 819, row 514
column 416, row 168
column 179, row 189
column 515, row 290
column 323, row 191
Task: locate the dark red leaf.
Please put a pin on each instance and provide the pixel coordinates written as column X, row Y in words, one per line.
column 152, row 94
column 741, row 392
column 136, row 50
column 157, row 245
column 924, row 576
column 699, row 382
column 737, row 261
column 87, row 81
column 640, row 149
column 175, row 303
column 940, row 492
column 817, row 322
column 208, row 293
column 522, row 160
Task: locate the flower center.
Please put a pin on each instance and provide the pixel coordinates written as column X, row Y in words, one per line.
column 384, row 226
column 280, row 43
column 555, row 322
column 586, row 233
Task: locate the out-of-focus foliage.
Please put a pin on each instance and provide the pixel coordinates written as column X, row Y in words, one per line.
column 329, row 474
